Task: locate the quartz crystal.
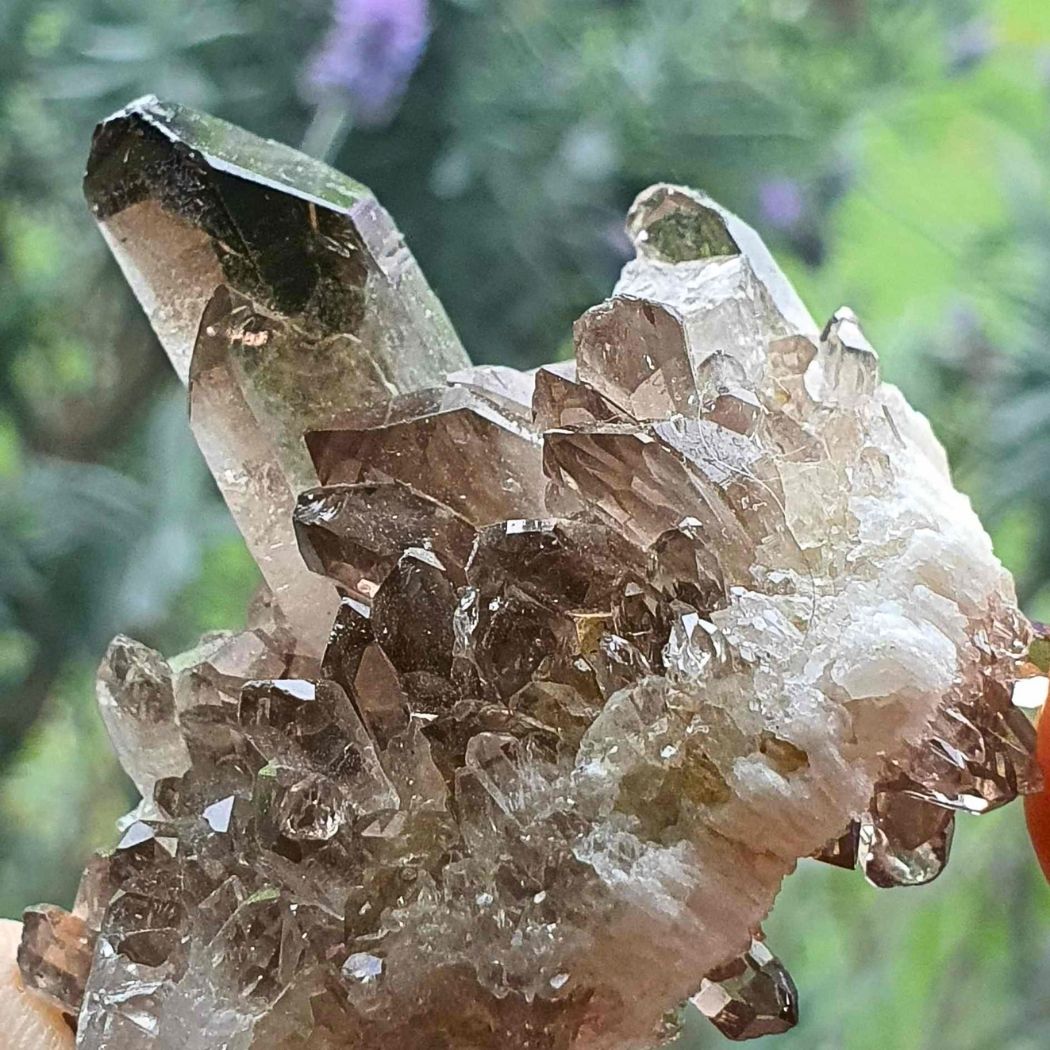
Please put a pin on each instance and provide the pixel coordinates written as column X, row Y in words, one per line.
column 749, row 997
column 283, row 294
column 608, row 647
column 55, row 955
column 30, row 1021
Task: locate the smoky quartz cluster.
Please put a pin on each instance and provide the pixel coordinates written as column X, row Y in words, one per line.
column 556, row 674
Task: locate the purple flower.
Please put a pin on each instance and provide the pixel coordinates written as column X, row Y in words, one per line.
column 969, row 43
column 780, row 203
column 369, row 54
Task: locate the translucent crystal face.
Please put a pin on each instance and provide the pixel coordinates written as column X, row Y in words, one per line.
column 283, row 294
column 617, row 644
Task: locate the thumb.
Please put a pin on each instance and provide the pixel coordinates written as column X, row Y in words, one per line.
column 26, row 1022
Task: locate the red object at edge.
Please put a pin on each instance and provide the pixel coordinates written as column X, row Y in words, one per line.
column 1037, row 807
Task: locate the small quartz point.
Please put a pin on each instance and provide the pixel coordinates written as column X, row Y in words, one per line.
column 846, row 368
column 904, row 841
column 283, row 294
column 575, row 666
column 56, row 952
column 841, row 852
column 750, row 997
column 137, row 700
column 30, row 1023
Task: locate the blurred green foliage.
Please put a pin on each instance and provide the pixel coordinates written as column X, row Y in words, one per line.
column 894, row 153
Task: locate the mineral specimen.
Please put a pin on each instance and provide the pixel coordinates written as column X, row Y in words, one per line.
column 617, row 642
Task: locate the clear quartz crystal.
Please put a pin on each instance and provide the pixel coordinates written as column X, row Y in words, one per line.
column 616, row 643
column 137, row 701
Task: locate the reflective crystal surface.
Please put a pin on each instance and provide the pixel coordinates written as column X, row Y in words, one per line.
column 283, row 294
column 749, row 997
column 609, row 647
column 903, row 840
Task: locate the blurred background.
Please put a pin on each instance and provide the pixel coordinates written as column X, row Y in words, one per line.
column 895, row 154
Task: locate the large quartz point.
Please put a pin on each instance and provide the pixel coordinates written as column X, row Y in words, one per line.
column 618, row 642
column 283, row 294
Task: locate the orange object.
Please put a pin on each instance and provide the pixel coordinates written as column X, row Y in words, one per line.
column 1037, row 807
